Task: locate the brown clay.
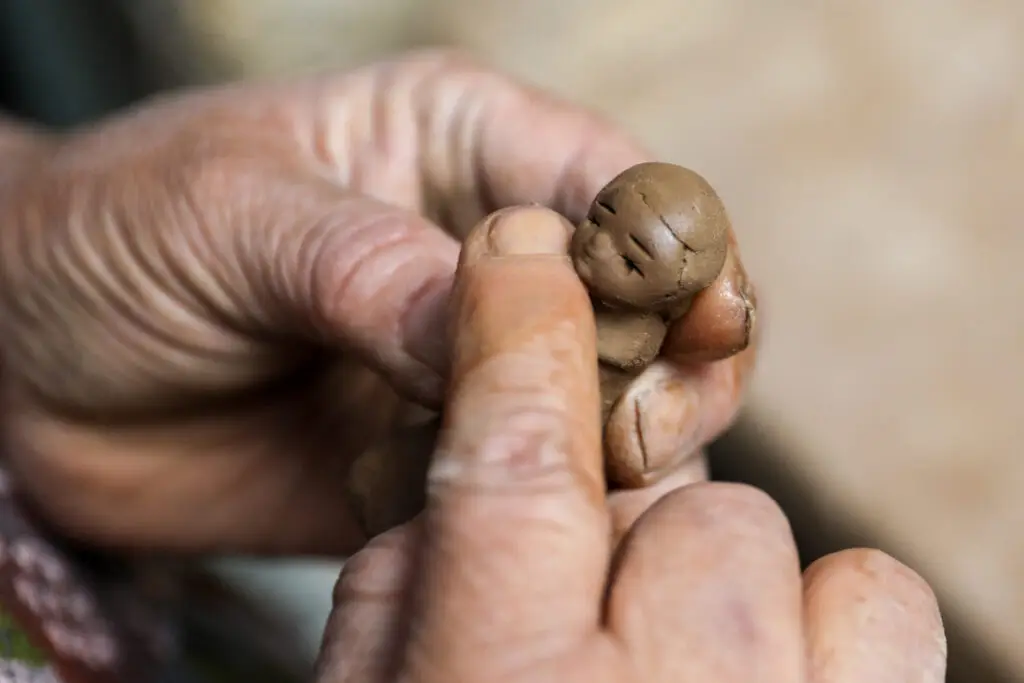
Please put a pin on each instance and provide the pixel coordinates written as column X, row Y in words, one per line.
column 387, row 483
column 655, row 236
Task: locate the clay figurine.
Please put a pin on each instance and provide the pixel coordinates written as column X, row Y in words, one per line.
column 654, row 237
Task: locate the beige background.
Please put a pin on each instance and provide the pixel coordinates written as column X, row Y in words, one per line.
column 871, row 154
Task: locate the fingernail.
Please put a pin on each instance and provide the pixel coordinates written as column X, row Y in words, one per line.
column 524, row 231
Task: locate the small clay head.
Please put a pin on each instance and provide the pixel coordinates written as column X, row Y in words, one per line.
column 655, row 235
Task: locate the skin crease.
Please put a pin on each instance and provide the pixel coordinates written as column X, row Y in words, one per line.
column 520, row 569
column 213, row 302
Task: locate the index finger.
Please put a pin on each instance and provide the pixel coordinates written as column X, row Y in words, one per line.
column 515, row 516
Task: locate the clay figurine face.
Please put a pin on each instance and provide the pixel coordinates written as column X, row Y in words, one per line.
column 655, row 235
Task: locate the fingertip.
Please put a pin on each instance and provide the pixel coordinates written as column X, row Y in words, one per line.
column 653, row 426
column 670, row 411
column 722, row 320
column 870, row 617
column 707, row 588
column 868, row 571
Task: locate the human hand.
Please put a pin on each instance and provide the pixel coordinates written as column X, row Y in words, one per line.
column 520, row 568
column 199, row 298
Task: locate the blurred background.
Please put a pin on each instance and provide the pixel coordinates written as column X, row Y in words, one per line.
column 871, row 155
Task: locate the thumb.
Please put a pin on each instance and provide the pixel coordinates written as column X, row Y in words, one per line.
column 344, row 269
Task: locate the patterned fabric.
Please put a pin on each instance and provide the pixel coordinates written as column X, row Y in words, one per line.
column 17, row 672
column 66, row 618
column 58, row 623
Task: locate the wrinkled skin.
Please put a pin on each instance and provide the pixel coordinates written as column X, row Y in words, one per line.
column 199, row 298
column 520, row 569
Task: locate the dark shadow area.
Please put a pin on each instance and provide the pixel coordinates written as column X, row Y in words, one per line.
column 64, row 62
column 746, row 454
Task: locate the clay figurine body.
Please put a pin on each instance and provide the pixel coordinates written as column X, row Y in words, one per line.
column 654, row 237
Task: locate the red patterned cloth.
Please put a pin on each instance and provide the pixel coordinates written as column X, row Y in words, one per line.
column 66, row 617
column 63, row 624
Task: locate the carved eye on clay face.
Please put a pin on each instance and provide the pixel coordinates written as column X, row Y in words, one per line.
column 604, row 248
column 637, row 254
column 631, row 266
column 654, row 235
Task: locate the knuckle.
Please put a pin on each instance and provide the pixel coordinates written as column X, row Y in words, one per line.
column 869, row 583
column 735, row 508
